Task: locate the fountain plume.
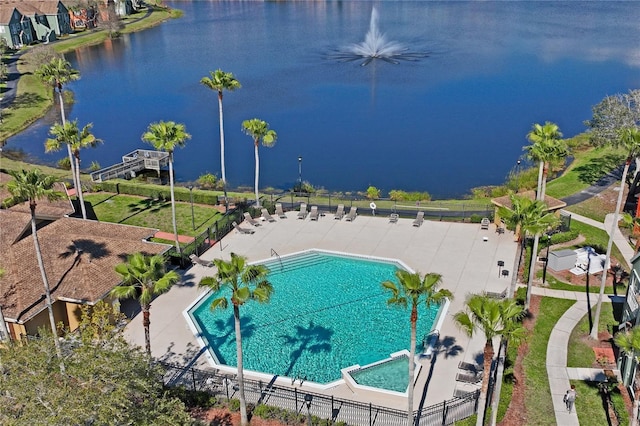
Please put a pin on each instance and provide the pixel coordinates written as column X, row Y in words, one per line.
column 376, row 46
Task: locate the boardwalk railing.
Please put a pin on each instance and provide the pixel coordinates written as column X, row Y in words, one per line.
column 322, row 406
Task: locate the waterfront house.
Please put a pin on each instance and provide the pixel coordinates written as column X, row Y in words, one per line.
column 15, row 28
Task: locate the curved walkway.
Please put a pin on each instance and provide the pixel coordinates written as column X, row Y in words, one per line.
column 557, row 347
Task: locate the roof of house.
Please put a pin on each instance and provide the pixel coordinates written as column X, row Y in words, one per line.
column 553, row 204
column 45, row 209
column 28, row 7
column 79, row 258
column 6, row 12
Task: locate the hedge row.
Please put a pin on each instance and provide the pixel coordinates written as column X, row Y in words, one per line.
column 157, row 191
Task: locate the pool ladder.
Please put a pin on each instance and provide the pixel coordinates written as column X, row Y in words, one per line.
column 275, row 253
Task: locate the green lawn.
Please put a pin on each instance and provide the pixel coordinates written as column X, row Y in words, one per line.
column 139, row 211
column 589, row 404
column 580, row 354
column 538, row 403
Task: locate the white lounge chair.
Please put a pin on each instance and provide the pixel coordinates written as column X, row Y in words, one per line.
column 419, row 219
column 339, row 212
column 250, row 220
column 484, row 223
column 280, row 212
column 197, row 261
column 352, row 214
column 314, row 213
column 302, row 214
column 267, row 216
column 393, row 217
column 242, row 230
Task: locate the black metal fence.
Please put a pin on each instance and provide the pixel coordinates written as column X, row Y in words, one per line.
column 322, row 406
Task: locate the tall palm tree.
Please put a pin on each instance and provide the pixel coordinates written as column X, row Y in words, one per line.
column 4, row 332
column 144, row 277
column 245, row 283
column 413, row 290
column 259, row 132
column 31, row 186
column 219, row 82
column 493, row 318
column 69, row 134
column 528, row 218
column 546, row 147
column 166, row 136
column 629, row 343
column 57, row 73
column 630, row 140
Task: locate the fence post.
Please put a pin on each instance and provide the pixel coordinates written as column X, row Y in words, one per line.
column 226, row 387
column 444, row 412
column 193, row 378
column 332, row 412
column 295, row 394
column 370, row 415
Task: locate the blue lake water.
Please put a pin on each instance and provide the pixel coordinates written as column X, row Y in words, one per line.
column 451, row 121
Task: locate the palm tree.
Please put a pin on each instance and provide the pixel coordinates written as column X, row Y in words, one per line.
column 166, row 136
column 528, row 217
column 629, row 343
column 144, row 277
column 493, row 318
column 259, row 131
column 31, row 186
column 414, row 290
column 4, row 333
column 69, row 134
column 221, row 81
column 57, row 73
column 245, row 283
column 630, row 140
column 546, row 147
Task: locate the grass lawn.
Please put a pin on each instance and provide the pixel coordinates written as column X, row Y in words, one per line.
column 139, row 211
column 589, row 404
column 580, row 354
column 7, row 164
column 587, row 167
column 538, row 403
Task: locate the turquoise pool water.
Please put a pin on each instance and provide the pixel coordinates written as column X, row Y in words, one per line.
column 392, row 375
column 327, row 312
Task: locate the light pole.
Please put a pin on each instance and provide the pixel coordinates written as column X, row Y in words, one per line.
column 193, row 223
column 517, row 176
column 300, row 173
column 546, row 260
column 307, row 400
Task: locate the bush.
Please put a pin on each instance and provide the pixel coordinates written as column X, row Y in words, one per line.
column 373, row 193
column 160, row 192
column 192, row 398
column 64, row 163
column 234, row 405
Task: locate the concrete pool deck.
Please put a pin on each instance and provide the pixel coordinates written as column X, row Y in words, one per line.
column 465, row 255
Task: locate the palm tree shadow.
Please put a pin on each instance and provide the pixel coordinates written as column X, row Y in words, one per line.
column 312, row 339
column 226, row 333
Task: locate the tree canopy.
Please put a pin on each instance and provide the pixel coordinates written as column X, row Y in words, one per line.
column 106, row 380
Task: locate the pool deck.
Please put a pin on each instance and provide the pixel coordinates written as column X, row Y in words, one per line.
column 465, row 255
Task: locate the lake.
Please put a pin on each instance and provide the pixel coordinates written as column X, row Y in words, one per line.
column 445, row 123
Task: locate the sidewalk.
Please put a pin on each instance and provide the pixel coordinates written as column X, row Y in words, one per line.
column 557, row 348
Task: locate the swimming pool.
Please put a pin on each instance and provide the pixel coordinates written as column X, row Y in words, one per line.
column 328, row 311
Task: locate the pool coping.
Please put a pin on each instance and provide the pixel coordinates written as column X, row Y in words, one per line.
column 289, row 381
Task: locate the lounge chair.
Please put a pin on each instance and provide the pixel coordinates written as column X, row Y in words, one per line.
column 419, row 219
column 496, row 295
column 393, row 217
column 242, row 230
column 267, row 216
column 340, row 212
column 250, row 220
column 468, row 366
column 197, row 261
column 314, row 213
column 302, row 214
column 469, row 377
column 352, row 214
column 280, row 212
column 484, row 223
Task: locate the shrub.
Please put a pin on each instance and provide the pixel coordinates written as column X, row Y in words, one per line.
column 373, row 193
column 160, row 192
column 192, row 398
column 64, row 163
column 234, row 404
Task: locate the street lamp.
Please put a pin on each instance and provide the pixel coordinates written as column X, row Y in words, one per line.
column 517, row 175
column 193, row 223
column 546, row 260
column 300, row 171
column 307, row 400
